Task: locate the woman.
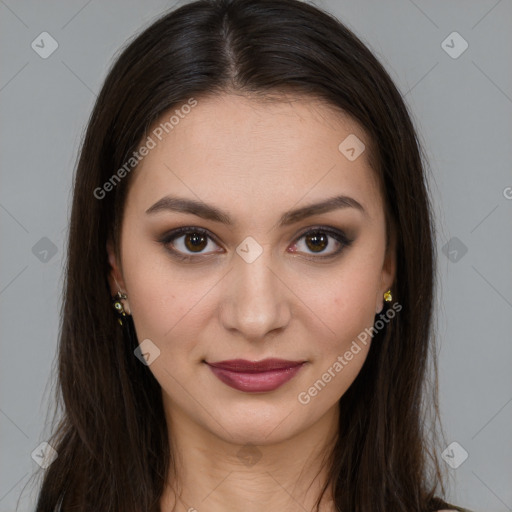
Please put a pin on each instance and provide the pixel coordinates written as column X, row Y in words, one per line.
column 248, row 301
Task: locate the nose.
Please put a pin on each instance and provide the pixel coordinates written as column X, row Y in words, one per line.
column 255, row 302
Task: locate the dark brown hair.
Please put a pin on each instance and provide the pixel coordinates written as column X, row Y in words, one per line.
column 111, row 439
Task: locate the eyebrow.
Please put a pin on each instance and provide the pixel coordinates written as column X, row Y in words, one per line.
column 210, row 212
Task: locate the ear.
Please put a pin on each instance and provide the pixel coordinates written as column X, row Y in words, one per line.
column 388, row 273
column 115, row 276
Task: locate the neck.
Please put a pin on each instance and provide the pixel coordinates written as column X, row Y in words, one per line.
column 212, row 474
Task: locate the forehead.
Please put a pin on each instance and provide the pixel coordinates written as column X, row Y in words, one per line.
column 229, row 147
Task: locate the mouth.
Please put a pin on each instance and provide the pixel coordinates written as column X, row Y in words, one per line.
column 255, row 376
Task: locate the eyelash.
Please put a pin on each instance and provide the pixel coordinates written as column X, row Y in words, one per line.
column 339, row 236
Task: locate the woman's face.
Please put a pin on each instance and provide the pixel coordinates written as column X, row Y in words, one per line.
column 277, row 281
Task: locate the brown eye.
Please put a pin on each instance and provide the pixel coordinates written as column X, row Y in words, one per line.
column 190, row 243
column 326, row 242
column 195, row 241
column 184, row 243
column 317, row 242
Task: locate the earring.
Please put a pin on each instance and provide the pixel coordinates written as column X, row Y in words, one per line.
column 118, row 306
column 125, row 321
column 387, row 296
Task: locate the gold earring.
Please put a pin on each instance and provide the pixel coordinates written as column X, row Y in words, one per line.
column 387, row 296
column 118, row 306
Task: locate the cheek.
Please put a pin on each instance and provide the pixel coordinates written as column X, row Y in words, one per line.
column 163, row 306
column 349, row 322
column 346, row 303
column 348, row 309
column 158, row 296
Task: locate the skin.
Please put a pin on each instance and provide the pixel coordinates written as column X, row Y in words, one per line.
column 255, row 161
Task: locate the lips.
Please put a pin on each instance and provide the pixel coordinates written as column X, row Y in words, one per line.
column 242, row 365
column 255, row 376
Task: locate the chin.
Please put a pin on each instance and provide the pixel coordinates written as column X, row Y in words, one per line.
column 258, row 426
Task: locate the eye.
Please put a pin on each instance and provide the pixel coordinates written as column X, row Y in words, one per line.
column 186, row 241
column 319, row 239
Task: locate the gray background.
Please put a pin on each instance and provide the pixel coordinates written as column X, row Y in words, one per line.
column 462, row 108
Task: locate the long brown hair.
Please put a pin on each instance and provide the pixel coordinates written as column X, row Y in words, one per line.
column 112, row 440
